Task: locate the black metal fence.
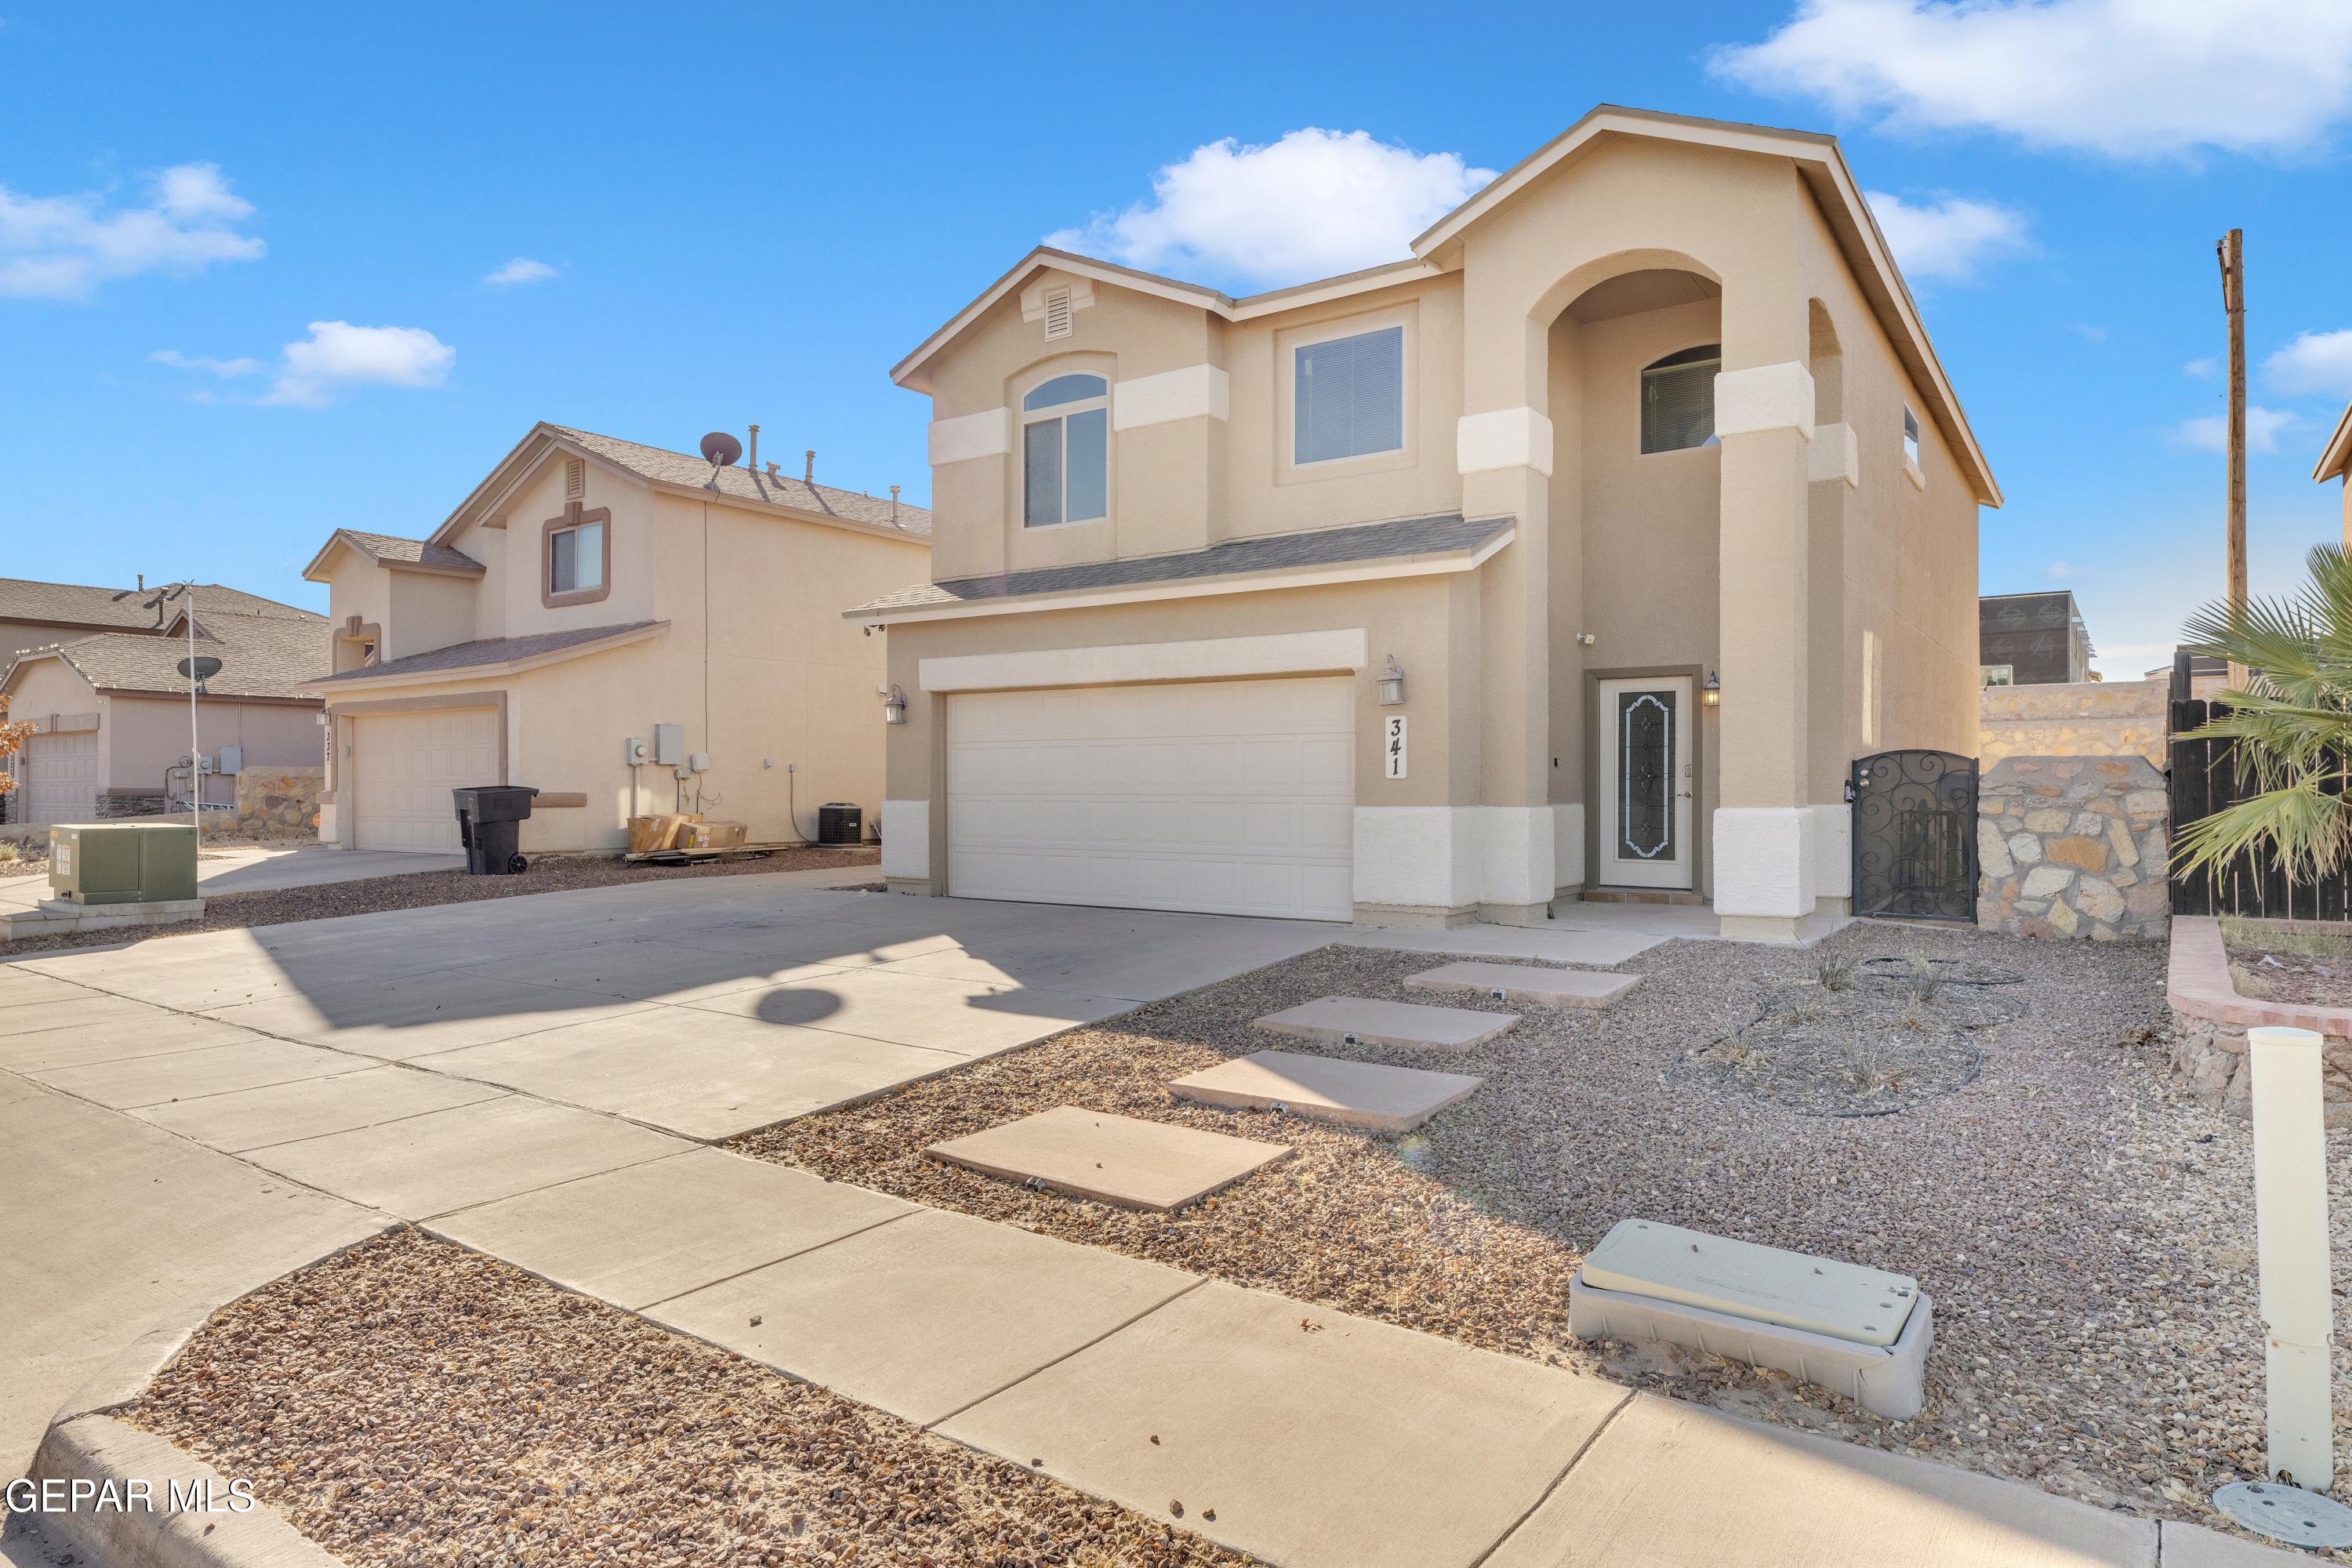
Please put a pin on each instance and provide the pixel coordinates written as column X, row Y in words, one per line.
column 1914, row 836
column 2205, row 779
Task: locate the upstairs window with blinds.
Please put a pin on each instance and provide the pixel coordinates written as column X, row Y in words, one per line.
column 1348, row 400
column 1678, row 400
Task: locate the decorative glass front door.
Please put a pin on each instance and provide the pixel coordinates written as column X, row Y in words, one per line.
column 1647, row 779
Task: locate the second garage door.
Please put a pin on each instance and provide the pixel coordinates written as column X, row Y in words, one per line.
column 1221, row 797
column 60, row 777
column 403, row 767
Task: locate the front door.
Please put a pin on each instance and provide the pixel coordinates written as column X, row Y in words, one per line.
column 1647, row 779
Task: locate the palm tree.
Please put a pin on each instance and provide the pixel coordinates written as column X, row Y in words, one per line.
column 2292, row 724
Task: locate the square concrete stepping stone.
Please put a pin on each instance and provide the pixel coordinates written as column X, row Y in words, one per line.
column 1359, row 1020
column 427, row 1165
column 1520, row 982
column 1318, row 1440
column 646, row 1233
column 1675, row 1483
column 922, row 1316
column 1328, row 1089
column 1117, row 1159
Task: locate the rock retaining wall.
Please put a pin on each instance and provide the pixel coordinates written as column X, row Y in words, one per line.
column 279, row 803
column 2073, row 847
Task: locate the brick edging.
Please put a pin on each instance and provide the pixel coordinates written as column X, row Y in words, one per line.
column 2197, row 984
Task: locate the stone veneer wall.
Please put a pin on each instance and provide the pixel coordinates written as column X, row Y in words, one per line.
column 2078, row 718
column 2073, row 847
column 2207, row 1053
column 279, row 803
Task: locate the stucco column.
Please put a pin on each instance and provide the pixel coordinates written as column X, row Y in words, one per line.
column 1764, row 838
column 1835, row 471
column 1515, row 814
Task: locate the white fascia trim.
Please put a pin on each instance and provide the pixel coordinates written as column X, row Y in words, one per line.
column 1505, row 438
column 906, row 838
column 462, row 674
column 1195, row 391
column 1417, row 857
column 1254, row 583
column 987, row 434
column 1766, row 859
column 1765, row 398
column 1212, row 658
column 1835, row 454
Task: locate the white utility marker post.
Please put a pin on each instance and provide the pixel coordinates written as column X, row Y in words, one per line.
column 2291, row 1232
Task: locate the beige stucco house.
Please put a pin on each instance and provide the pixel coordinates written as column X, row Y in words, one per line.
column 96, row 672
column 1410, row 594
column 592, row 592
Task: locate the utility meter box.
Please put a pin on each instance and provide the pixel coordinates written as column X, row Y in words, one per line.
column 123, row 862
column 670, row 745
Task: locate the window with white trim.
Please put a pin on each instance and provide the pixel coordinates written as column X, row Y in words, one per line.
column 1910, row 438
column 575, row 559
column 1348, row 397
column 1066, row 451
column 1678, row 400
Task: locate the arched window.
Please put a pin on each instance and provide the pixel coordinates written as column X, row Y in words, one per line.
column 1678, row 400
column 1066, row 451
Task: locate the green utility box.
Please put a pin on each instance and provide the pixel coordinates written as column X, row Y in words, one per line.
column 123, row 862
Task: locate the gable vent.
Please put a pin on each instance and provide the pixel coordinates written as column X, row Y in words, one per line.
column 575, row 478
column 1058, row 312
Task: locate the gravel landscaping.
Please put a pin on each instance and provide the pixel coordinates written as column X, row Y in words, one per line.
column 2087, row 1241
column 2274, row 962
column 415, row 889
column 410, row 1403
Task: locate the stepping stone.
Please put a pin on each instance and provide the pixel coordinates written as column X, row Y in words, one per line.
column 1359, row 1020
column 1327, row 1089
column 1518, row 983
column 1117, row 1159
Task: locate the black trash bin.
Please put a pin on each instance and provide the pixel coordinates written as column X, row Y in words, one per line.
column 488, row 819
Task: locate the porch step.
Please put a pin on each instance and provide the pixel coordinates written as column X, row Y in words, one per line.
column 1642, row 896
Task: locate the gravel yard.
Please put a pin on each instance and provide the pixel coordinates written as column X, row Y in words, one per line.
column 549, row 874
column 413, row 1403
column 2088, row 1242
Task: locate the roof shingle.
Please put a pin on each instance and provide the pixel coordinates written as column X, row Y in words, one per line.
column 479, row 653
column 74, row 604
column 391, row 548
column 261, row 656
column 747, row 484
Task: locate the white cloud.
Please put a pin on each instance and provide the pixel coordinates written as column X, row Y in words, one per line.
column 338, row 355
column 63, row 248
column 2314, row 363
column 1949, row 238
column 2203, row 368
column 2130, row 79
column 223, row 368
column 2061, row 571
column 2211, row 433
column 521, row 269
column 1314, row 204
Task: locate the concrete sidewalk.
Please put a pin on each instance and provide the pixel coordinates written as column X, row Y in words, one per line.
column 250, row 868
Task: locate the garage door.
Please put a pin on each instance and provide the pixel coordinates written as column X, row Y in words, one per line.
column 1225, row 797
column 60, row 778
column 403, row 767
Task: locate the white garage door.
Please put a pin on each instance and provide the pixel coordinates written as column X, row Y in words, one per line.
column 1225, row 797
column 60, row 778
column 403, row 767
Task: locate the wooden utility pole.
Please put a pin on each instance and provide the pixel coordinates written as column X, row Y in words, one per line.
column 2233, row 252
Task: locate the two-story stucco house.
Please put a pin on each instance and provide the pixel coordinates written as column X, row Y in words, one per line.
column 592, row 592
column 1578, row 553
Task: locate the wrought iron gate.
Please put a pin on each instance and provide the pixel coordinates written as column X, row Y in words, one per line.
column 1914, row 836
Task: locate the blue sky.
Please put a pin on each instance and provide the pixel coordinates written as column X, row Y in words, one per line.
column 741, row 213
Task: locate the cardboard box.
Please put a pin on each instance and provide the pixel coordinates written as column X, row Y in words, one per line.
column 648, row 834
column 712, row 836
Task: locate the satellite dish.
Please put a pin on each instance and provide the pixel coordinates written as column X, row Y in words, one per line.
column 720, row 450
column 206, row 666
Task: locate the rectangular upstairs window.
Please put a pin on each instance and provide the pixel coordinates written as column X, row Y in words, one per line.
column 1910, row 438
column 1349, row 397
column 576, row 559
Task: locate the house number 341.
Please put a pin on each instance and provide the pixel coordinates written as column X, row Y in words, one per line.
column 1392, row 746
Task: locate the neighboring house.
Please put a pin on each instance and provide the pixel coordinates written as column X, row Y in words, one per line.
column 592, row 592
column 2336, row 463
column 1652, row 410
column 2032, row 639
column 110, row 710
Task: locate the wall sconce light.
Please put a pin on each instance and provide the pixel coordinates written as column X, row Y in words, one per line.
column 894, row 705
column 1392, row 685
column 1711, row 694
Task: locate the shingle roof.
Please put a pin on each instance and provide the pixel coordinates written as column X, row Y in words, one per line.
column 1319, row 547
column 390, row 548
column 746, row 484
column 261, row 656
column 73, row 603
column 480, row 652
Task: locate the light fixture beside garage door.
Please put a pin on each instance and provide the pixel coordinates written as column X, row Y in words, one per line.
column 1392, row 684
column 894, row 705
